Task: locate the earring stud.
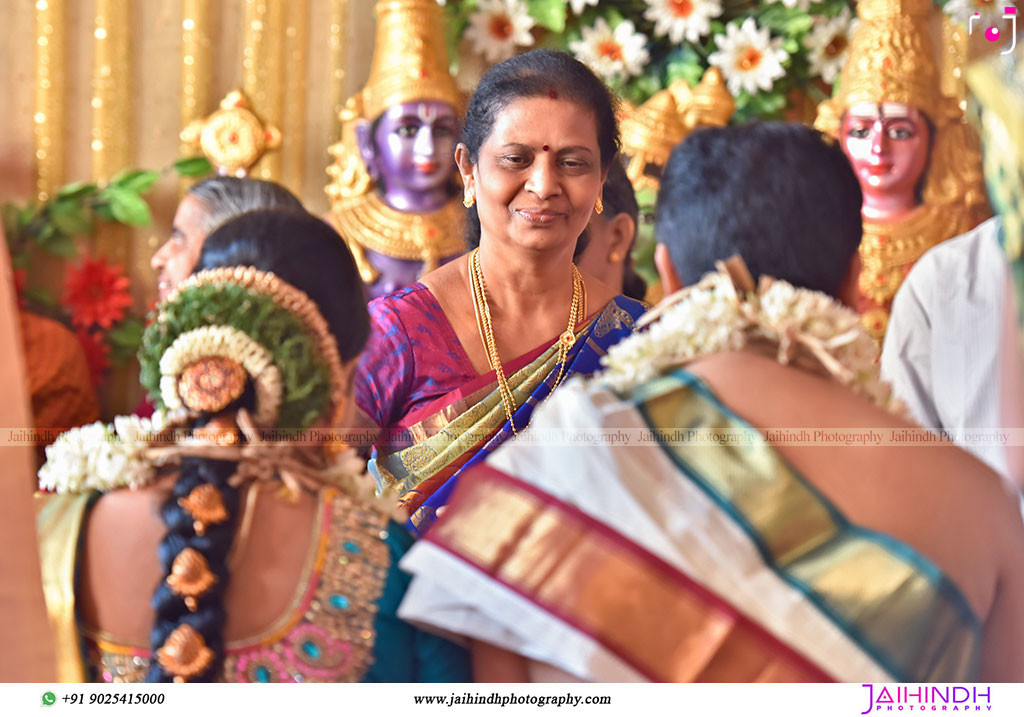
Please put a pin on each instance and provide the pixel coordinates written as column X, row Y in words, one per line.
column 468, row 200
column 599, row 205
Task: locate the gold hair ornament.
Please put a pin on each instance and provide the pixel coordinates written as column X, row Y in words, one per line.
column 211, row 384
column 206, row 506
column 184, row 654
column 190, row 577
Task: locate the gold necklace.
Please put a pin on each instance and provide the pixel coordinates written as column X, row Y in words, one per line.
column 486, row 328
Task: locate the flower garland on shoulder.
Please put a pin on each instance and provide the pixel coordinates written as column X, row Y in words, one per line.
column 724, row 312
column 102, row 456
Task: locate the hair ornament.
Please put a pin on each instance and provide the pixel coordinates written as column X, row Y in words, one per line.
column 206, row 506
column 211, row 384
column 184, row 654
column 190, row 577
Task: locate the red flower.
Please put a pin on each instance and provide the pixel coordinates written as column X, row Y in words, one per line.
column 96, row 293
column 96, row 353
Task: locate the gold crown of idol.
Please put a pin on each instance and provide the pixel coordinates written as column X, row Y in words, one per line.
column 890, row 59
column 410, row 61
column 650, row 131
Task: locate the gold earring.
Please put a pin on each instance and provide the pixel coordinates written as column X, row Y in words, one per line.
column 469, row 199
column 599, row 205
column 614, row 257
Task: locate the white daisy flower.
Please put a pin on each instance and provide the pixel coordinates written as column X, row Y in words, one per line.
column 803, row 5
column 612, row 54
column 498, row 27
column 748, row 57
column 828, row 43
column 579, row 5
column 991, row 13
column 682, row 18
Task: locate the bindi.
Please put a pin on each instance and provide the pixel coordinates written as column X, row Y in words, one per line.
column 545, row 148
column 553, row 94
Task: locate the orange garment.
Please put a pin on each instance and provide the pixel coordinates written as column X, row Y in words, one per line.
column 58, row 377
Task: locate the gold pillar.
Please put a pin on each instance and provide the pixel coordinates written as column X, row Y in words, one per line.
column 196, row 65
column 293, row 125
column 339, row 52
column 51, row 59
column 263, row 69
column 111, row 152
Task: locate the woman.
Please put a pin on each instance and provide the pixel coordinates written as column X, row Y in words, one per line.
column 272, row 565
column 775, row 518
column 461, row 358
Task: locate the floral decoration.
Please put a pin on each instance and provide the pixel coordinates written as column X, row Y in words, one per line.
column 613, row 54
column 96, row 293
column 97, row 297
column 499, row 28
column 101, row 456
column 775, row 55
column 799, row 326
column 750, row 60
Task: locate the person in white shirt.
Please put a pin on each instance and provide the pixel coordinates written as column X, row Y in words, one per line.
column 941, row 352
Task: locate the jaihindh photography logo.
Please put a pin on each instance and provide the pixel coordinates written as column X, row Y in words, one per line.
column 927, row 698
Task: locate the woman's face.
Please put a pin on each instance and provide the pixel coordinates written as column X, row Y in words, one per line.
column 887, row 145
column 538, row 174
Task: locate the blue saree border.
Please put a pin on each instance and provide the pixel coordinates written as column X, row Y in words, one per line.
column 592, row 347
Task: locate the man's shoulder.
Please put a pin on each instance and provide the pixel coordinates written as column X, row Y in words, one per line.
column 971, row 252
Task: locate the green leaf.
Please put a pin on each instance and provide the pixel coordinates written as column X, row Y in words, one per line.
column 193, row 166
column 70, row 217
column 614, row 17
column 137, row 180
column 128, row 207
column 76, row 190
column 59, row 244
column 26, row 214
column 548, row 13
column 685, row 64
column 40, row 296
column 102, row 210
column 128, row 333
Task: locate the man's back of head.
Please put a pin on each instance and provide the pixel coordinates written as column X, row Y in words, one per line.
column 782, row 196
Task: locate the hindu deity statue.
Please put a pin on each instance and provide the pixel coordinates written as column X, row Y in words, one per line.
column 649, row 132
column 393, row 183
column 917, row 160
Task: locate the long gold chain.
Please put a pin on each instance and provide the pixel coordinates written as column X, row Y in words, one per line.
column 486, row 328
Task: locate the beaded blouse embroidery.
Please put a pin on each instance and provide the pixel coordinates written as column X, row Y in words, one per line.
column 327, row 634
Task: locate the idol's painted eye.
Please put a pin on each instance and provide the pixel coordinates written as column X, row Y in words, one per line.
column 406, row 130
column 901, row 133
column 858, row 132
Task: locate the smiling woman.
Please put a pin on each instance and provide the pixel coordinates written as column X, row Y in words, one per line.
column 460, row 360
